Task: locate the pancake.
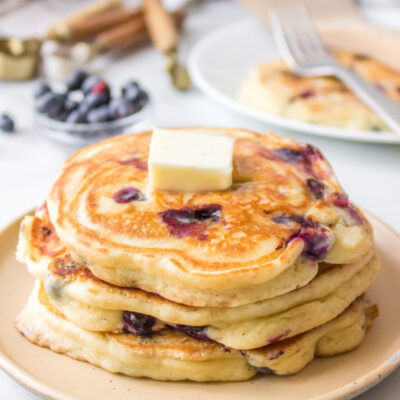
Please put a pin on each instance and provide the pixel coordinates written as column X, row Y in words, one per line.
column 172, row 355
column 338, row 336
column 98, row 306
column 272, row 87
column 265, row 330
column 39, row 244
column 284, row 211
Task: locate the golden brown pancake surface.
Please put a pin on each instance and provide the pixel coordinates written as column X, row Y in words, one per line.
column 284, row 208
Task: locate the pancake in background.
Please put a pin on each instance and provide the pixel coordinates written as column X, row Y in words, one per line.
column 272, row 87
column 285, row 213
column 172, row 355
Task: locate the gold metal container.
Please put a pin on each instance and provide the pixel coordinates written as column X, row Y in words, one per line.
column 19, row 58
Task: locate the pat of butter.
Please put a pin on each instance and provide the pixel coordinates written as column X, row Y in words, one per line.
column 189, row 160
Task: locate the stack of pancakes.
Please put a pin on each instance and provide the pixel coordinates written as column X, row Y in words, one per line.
column 211, row 286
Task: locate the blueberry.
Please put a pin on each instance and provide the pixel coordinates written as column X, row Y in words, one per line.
column 42, row 102
column 99, row 114
column 191, row 222
column 342, row 201
column 75, row 80
column 289, row 154
column 55, row 108
column 316, row 243
column 142, row 99
column 68, row 107
column 88, row 83
column 76, row 117
column 112, row 108
column 306, row 94
column 197, row 332
column 6, row 123
column 124, row 108
column 93, row 100
column 211, row 211
column 50, row 103
column 41, row 87
column 137, row 323
column 131, row 92
column 287, row 219
column 130, row 85
column 61, row 115
column 303, row 95
column 315, row 187
column 127, row 194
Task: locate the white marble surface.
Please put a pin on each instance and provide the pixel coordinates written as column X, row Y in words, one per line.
column 28, row 163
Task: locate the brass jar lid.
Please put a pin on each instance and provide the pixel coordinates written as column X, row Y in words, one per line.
column 19, row 58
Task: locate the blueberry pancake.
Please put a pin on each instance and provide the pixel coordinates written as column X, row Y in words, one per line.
column 284, row 213
column 261, row 275
column 99, row 306
column 172, row 355
column 272, row 87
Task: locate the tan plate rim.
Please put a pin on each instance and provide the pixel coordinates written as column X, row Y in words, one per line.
column 345, row 392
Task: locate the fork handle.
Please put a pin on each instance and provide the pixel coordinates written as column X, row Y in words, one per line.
column 387, row 109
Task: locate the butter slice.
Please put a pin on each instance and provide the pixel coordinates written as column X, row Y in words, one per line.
column 190, row 161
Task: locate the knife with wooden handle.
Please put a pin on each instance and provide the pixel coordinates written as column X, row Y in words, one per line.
column 164, row 36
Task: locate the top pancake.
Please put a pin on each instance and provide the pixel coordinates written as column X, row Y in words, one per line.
column 272, row 87
column 284, row 208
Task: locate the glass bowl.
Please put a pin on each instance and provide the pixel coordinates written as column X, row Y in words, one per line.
column 80, row 134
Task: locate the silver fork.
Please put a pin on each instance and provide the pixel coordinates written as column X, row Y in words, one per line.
column 301, row 48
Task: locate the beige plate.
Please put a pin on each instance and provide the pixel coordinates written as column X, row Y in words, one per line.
column 59, row 377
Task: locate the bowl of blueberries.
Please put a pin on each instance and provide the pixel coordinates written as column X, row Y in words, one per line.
column 83, row 109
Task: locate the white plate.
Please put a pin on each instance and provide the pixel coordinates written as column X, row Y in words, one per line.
column 218, row 65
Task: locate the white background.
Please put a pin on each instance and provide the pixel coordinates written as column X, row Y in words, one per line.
column 369, row 173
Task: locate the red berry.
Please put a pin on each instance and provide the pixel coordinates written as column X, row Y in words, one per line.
column 99, row 87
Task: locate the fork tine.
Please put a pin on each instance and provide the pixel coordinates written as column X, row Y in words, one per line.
column 297, row 39
column 291, row 34
column 286, row 46
column 298, row 28
column 308, row 30
column 280, row 37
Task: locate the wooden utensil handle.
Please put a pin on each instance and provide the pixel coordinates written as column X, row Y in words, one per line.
column 160, row 26
column 60, row 30
column 130, row 34
column 89, row 27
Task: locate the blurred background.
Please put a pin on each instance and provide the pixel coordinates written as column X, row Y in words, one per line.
column 140, row 84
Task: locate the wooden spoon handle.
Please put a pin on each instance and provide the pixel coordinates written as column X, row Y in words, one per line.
column 160, row 26
column 129, row 34
column 89, row 27
column 60, row 30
